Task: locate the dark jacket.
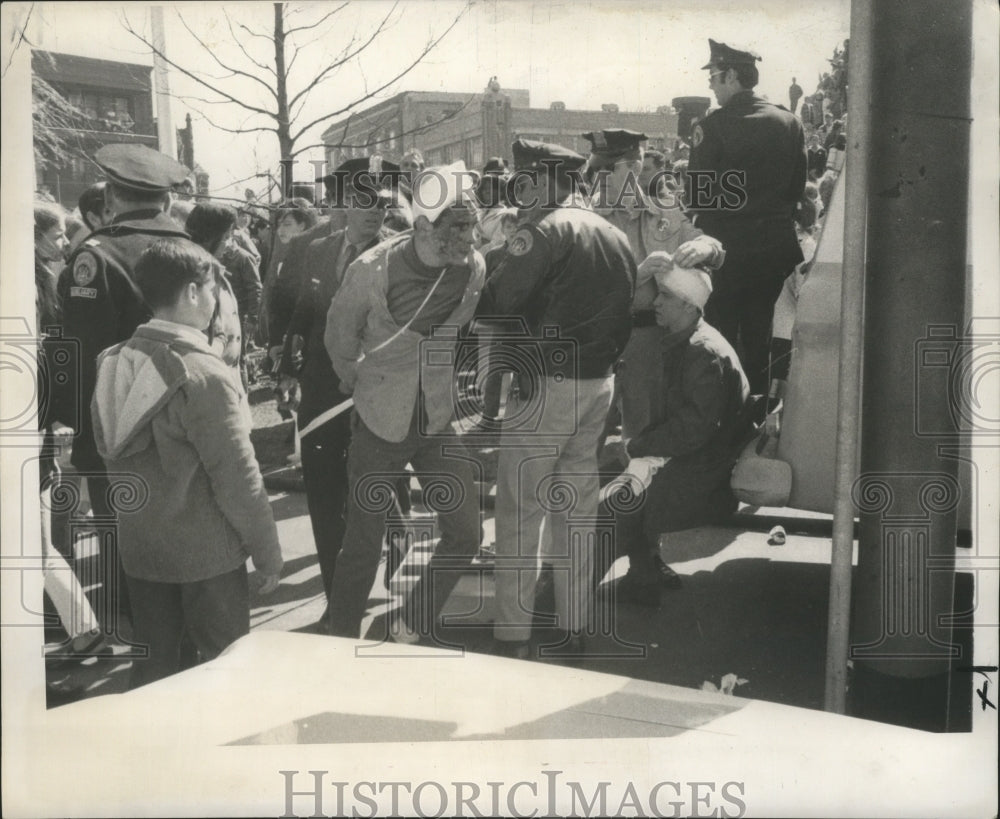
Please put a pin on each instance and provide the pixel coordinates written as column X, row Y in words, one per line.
column 766, row 143
column 281, row 289
column 102, row 306
column 317, row 379
column 244, row 278
column 699, row 426
column 568, row 275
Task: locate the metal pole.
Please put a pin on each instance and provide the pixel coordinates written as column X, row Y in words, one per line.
column 859, row 72
column 907, row 492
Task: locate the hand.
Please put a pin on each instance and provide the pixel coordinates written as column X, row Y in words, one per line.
column 772, row 424
column 695, row 251
column 61, row 431
column 265, row 583
column 287, row 383
column 275, row 353
column 656, row 262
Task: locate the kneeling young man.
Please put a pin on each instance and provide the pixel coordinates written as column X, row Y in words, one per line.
column 170, row 412
column 702, row 395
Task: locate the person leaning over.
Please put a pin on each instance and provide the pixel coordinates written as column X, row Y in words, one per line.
column 379, row 335
column 567, row 276
column 169, row 411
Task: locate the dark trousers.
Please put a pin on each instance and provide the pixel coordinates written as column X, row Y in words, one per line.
column 324, row 471
column 449, row 489
column 213, row 613
column 742, row 309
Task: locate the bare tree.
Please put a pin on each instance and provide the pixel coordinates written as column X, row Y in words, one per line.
column 286, row 44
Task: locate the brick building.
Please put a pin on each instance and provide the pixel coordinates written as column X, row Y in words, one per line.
column 448, row 126
column 114, row 103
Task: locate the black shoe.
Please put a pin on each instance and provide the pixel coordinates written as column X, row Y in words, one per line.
column 631, row 591
column 669, row 579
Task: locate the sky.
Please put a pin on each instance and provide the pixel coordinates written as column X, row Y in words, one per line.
column 636, row 54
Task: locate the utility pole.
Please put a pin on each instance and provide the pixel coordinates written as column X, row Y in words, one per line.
column 167, row 137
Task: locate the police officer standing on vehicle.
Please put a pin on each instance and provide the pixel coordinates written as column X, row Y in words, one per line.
column 102, row 306
column 746, row 174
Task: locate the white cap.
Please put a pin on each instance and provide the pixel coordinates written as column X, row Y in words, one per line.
column 437, row 189
column 691, row 284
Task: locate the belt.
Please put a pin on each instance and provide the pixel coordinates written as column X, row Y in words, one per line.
column 644, row 318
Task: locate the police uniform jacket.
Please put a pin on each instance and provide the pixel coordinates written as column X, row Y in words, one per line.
column 568, row 274
column 101, row 307
column 766, row 142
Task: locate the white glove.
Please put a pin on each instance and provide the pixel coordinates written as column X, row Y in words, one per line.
column 638, row 475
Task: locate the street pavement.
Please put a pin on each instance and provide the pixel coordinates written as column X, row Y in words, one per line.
column 747, row 608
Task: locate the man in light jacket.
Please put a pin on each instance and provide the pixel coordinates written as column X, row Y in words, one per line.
column 391, row 333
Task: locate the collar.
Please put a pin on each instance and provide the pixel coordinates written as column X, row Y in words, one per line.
column 413, row 260
column 137, row 215
column 180, row 331
column 740, row 97
column 680, row 336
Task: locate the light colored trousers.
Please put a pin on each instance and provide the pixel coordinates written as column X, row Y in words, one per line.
column 61, row 584
column 548, row 473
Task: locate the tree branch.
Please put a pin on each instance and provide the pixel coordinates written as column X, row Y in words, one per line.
column 205, row 84
column 234, row 71
column 350, row 55
column 261, row 66
column 427, row 49
column 319, row 22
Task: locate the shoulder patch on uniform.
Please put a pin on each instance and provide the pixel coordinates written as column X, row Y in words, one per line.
column 697, row 135
column 521, row 243
column 84, row 268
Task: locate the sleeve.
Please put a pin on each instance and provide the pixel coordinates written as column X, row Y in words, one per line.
column 800, row 167
column 706, row 156
column 216, row 426
column 87, row 328
column 695, row 420
column 287, row 279
column 519, row 275
column 299, row 324
column 689, row 232
column 345, row 323
column 249, row 283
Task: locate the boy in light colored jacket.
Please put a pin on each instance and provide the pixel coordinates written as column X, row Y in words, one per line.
column 170, row 413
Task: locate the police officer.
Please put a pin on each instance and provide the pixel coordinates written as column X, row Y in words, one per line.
column 567, row 275
column 659, row 233
column 102, row 306
column 746, row 174
column 325, row 435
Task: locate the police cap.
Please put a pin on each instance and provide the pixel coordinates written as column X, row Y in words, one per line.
column 139, row 168
column 722, row 54
column 615, row 143
column 361, row 170
column 530, row 155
